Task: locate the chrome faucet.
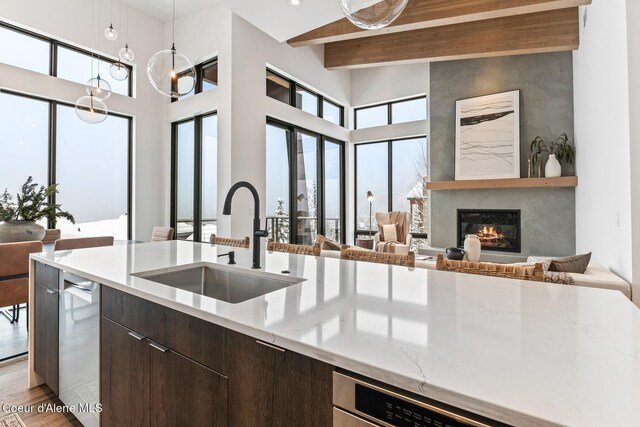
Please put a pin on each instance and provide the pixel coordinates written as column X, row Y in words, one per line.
column 257, row 232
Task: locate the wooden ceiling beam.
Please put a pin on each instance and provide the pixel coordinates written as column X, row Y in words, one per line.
column 552, row 31
column 420, row 14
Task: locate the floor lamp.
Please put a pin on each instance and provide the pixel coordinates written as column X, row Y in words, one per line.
column 370, row 198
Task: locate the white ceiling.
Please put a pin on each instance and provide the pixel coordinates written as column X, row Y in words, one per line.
column 278, row 18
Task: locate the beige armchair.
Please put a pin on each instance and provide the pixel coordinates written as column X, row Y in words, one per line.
column 402, row 244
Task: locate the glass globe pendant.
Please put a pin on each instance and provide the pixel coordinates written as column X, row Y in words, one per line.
column 98, row 88
column 110, row 33
column 119, row 71
column 171, row 73
column 91, row 109
column 126, row 54
column 372, row 14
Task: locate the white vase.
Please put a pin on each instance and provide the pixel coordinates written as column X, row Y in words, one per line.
column 553, row 168
column 472, row 248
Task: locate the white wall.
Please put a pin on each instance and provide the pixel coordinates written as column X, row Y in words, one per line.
column 633, row 49
column 604, row 221
column 70, row 21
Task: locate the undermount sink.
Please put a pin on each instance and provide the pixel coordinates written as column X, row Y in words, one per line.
column 221, row 283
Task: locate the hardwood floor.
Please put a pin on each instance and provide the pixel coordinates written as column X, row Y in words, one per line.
column 14, row 338
column 14, row 391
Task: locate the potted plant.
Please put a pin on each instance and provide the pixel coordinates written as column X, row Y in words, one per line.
column 18, row 219
column 559, row 152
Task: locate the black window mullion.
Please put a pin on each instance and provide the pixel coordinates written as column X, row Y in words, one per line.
column 197, row 180
column 389, row 114
column 355, row 186
column 130, row 181
column 320, row 197
column 53, row 58
column 293, row 182
column 53, row 126
column 389, row 177
column 174, row 181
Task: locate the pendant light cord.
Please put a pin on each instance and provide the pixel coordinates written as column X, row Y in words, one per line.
column 173, row 36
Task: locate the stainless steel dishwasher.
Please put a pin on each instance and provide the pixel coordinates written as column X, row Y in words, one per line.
column 80, row 347
column 362, row 402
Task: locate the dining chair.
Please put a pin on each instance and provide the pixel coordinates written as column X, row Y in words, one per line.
column 161, row 234
column 359, row 254
column 82, row 242
column 14, row 275
column 50, row 236
column 294, row 249
column 225, row 241
column 533, row 272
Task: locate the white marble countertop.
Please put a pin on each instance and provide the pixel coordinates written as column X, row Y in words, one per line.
column 524, row 353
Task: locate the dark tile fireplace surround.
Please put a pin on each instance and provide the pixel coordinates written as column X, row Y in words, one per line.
column 497, row 229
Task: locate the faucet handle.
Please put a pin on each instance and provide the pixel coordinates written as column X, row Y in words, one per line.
column 262, row 233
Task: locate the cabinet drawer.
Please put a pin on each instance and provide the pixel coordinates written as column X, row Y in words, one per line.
column 194, row 338
column 47, row 276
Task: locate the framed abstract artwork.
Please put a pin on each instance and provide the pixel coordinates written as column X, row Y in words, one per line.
column 488, row 137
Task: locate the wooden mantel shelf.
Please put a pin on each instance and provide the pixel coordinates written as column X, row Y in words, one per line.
column 483, row 184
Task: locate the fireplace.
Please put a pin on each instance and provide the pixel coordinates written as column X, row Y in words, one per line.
column 498, row 230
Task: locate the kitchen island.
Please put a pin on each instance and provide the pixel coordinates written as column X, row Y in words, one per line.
column 522, row 353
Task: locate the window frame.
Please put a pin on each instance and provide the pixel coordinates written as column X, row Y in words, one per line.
column 53, row 53
column 389, row 142
column 293, row 88
column 292, row 139
column 199, row 76
column 389, row 105
column 52, row 150
column 197, row 174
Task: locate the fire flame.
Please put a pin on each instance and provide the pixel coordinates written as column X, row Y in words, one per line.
column 489, row 233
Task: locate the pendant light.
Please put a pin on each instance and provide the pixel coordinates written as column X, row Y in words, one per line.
column 118, row 70
column 99, row 87
column 372, row 15
column 109, row 32
column 169, row 71
column 89, row 108
column 126, row 54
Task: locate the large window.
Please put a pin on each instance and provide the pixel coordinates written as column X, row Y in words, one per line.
column 91, row 163
column 24, row 50
column 293, row 93
column 195, row 178
column 391, row 113
column 75, row 65
column 93, row 171
column 395, row 172
column 305, row 181
column 35, row 52
column 206, row 78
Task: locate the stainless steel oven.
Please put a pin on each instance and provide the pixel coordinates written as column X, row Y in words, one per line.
column 360, row 402
column 80, row 347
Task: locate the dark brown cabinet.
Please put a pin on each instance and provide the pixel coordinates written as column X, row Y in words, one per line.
column 124, row 383
column 46, row 325
column 183, row 392
column 146, row 383
column 270, row 386
column 162, row 367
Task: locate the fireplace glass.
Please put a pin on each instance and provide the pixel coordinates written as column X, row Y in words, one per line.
column 498, row 230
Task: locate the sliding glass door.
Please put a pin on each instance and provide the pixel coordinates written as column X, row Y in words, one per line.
column 305, row 182
column 195, row 178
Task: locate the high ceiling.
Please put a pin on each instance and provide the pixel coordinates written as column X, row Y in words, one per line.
column 278, row 18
